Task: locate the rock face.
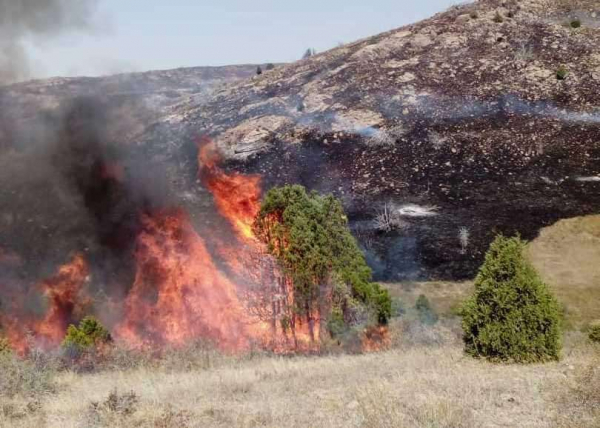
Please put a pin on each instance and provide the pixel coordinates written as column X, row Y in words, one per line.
column 437, row 136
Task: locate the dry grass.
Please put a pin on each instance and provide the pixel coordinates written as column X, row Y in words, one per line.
column 566, row 255
column 414, row 387
column 424, row 382
column 445, row 296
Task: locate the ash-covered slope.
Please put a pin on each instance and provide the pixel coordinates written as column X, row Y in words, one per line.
column 146, row 97
column 482, row 119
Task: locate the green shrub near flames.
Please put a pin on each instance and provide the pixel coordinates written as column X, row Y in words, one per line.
column 308, row 235
column 88, row 334
column 512, row 315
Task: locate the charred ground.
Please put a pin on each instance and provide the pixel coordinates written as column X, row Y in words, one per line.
column 461, row 115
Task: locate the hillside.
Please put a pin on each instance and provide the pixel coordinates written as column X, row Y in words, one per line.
column 458, row 121
column 458, row 127
column 566, row 255
column 146, row 96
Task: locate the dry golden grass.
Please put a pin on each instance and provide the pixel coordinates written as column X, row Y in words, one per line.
column 411, row 387
column 444, row 296
column 567, row 255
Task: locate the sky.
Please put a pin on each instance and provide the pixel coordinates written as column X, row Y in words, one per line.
column 139, row 35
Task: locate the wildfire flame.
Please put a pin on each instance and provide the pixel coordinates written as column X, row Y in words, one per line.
column 237, row 196
column 62, row 294
column 179, row 293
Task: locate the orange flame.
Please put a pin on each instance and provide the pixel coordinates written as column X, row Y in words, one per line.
column 376, row 339
column 237, row 196
column 63, row 296
column 179, row 294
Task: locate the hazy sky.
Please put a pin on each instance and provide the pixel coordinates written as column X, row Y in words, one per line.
column 138, row 35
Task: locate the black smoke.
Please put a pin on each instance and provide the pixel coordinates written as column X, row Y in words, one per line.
column 83, row 191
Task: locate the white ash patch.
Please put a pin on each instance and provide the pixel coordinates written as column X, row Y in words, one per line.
column 591, row 179
column 412, row 210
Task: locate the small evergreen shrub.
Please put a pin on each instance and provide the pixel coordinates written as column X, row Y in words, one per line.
column 474, row 15
column 594, row 332
column 511, row 316
column 88, row 334
column 576, row 23
column 424, row 310
column 270, row 66
column 259, row 70
column 309, row 238
column 498, row 18
column 562, row 73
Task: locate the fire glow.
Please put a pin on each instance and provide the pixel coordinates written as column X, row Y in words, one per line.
column 63, row 296
column 180, row 292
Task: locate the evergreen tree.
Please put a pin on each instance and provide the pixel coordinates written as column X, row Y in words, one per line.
column 88, row 334
column 309, row 237
column 512, row 316
column 259, row 70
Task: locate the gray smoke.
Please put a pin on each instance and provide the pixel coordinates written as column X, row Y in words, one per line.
column 31, row 20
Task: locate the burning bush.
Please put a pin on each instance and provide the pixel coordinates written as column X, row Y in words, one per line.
column 511, row 316
column 90, row 333
column 309, row 237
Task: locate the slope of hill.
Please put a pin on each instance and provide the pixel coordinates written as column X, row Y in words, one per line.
column 148, row 96
column 481, row 119
column 566, row 255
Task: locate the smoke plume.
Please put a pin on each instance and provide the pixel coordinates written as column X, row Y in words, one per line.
column 33, row 20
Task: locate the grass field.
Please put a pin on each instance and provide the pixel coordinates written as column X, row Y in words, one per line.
column 566, row 255
column 412, row 386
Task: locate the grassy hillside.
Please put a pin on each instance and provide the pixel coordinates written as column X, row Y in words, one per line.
column 567, row 255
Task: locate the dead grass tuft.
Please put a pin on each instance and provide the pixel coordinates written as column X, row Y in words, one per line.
column 24, row 378
column 113, row 410
column 579, row 401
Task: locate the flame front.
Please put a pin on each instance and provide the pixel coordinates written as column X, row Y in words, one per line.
column 63, row 295
column 189, row 284
column 179, row 295
column 237, row 196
